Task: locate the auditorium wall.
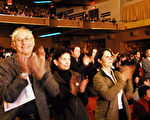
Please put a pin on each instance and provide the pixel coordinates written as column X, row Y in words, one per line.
column 5, row 38
column 121, row 38
column 112, row 6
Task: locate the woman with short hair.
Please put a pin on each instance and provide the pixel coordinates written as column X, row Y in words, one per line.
column 71, row 101
column 111, row 86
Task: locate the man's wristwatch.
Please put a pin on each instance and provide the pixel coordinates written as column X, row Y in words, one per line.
column 24, row 75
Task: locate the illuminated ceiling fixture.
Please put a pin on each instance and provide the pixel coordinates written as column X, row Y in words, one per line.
column 42, row 2
column 52, row 34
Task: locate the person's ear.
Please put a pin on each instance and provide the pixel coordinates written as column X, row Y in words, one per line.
column 99, row 60
column 71, row 51
column 55, row 62
column 13, row 45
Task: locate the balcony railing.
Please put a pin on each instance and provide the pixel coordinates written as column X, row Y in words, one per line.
column 60, row 23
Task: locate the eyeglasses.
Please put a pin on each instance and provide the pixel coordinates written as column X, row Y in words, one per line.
column 27, row 39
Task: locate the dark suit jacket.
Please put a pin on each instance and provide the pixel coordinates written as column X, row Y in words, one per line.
column 77, row 66
column 137, row 65
column 146, row 67
column 108, row 95
column 11, row 85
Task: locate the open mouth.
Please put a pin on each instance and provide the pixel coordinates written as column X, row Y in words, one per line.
column 25, row 47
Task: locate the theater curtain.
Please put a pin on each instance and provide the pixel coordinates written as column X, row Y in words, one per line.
column 136, row 11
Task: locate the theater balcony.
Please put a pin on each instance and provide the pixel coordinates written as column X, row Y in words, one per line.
column 66, row 23
column 104, row 26
column 60, row 23
column 24, row 20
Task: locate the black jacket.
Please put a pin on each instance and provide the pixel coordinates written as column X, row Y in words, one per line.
column 66, row 105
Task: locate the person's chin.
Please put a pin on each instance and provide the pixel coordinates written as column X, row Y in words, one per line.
column 66, row 68
column 26, row 53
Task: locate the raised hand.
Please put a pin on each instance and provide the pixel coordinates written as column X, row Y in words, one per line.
column 83, row 85
column 73, row 85
column 127, row 71
column 86, row 60
column 22, row 61
column 37, row 63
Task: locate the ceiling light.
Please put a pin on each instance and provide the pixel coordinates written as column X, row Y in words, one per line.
column 52, row 34
column 42, row 2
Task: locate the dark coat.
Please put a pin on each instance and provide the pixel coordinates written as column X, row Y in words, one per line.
column 77, row 66
column 11, row 85
column 66, row 105
column 108, row 95
column 137, row 65
column 92, row 70
column 146, row 67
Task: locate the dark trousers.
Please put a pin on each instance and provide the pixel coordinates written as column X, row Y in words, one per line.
column 122, row 114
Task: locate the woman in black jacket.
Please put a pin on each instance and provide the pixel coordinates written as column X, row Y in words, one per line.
column 71, row 101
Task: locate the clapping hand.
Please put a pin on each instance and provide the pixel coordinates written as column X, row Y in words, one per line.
column 37, row 63
column 86, row 60
column 83, row 85
column 127, row 71
column 22, row 61
column 73, row 85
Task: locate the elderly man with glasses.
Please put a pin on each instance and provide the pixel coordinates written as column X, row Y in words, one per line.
column 23, row 69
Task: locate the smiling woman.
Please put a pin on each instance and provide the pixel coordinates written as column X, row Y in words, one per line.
column 72, row 96
column 110, row 85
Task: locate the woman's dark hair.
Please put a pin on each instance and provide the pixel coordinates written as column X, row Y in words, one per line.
column 73, row 47
column 142, row 91
column 135, row 52
column 122, row 55
column 100, row 53
column 58, row 52
column 142, row 79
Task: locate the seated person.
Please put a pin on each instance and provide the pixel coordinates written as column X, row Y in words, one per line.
column 141, row 109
